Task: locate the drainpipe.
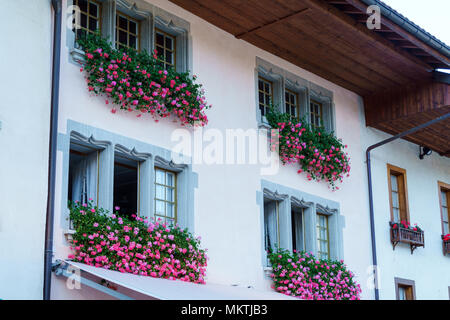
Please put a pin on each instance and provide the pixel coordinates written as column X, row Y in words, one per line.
column 48, row 251
column 369, row 177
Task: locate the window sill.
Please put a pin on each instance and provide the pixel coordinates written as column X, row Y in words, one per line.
column 78, row 56
column 68, row 234
column 268, row 271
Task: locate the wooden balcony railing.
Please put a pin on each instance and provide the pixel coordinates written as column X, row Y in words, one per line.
column 400, row 234
column 446, row 246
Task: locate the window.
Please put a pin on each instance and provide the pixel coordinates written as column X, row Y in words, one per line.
column 127, row 32
column 165, row 45
column 166, row 196
column 292, row 106
column 398, row 194
column 90, row 13
column 404, row 289
column 265, row 94
column 323, row 242
column 315, row 114
column 444, row 197
column 298, row 232
column 126, row 185
column 83, row 173
column 271, row 225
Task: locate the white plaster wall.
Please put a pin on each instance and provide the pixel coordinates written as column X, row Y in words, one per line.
column 428, row 267
column 24, row 134
column 226, row 212
column 227, row 215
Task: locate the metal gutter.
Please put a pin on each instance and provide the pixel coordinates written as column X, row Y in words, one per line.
column 410, row 27
column 48, row 251
column 369, row 182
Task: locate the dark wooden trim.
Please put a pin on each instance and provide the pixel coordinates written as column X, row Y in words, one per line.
column 282, row 19
column 398, row 171
column 404, row 282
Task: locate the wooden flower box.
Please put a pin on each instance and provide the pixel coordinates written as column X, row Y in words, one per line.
column 399, row 234
column 445, row 246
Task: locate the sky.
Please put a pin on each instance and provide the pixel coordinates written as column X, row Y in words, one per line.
column 431, row 15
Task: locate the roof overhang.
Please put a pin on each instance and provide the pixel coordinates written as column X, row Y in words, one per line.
column 331, row 39
column 155, row 288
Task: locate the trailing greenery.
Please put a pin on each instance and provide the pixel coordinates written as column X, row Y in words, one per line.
column 318, row 152
column 138, row 81
column 304, row 276
column 135, row 245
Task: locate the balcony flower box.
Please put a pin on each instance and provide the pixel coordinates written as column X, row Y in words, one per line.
column 404, row 233
column 446, row 244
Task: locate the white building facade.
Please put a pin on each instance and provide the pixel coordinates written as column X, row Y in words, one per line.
column 231, row 206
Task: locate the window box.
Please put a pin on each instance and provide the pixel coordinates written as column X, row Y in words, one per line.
column 406, row 235
column 446, row 244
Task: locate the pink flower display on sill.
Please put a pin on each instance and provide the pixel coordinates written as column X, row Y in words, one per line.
column 134, row 245
column 302, row 275
column 137, row 82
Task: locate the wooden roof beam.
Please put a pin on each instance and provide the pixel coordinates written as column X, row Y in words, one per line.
column 400, row 31
column 272, row 23
column 376, row 39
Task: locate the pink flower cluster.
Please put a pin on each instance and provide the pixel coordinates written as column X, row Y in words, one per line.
column 137, row 81
column 135, row 246
column 318, row 153
column 303, row 276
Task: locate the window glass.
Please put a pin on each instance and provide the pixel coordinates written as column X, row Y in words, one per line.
column 89, row 17
column 315, row 114
column 445, row 195
column 323, row 242
column 127, row 32
column 165, row 196
column 165, row 48
column 291, row 101
column 265, row 94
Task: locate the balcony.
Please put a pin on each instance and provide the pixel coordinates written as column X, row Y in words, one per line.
column 446, row 245
column 399, row 234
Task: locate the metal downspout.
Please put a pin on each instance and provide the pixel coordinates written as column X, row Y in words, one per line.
column 48, row 251
column 369, row 181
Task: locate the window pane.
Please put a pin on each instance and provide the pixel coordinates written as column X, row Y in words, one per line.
column 401, row 293
column 83, row 20
column 170, row 210
column 123, row 23
column 123, row 37
column 169, row 43
column 92, row 24
column 93, row 9
column 133, row 27
column 394, row 185
column 83, row 5
column 159, row 207
column 133, row 42
column 170, row 179
column 159, row 192
column 160, row 39
column 445, row 214
column 395, row 200
column 396, row 214
column 444, row 198
column 446, row 228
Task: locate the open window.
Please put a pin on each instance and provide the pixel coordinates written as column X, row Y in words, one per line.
column 405, row 289
column 298, row 228
column 126, row 185
column 83, row 173
column 128, row 32
column 444, row 197
column 398, row 195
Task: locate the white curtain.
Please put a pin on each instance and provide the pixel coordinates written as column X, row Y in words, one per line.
column 298, row 225
column 271, row 225
column 84, row 179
